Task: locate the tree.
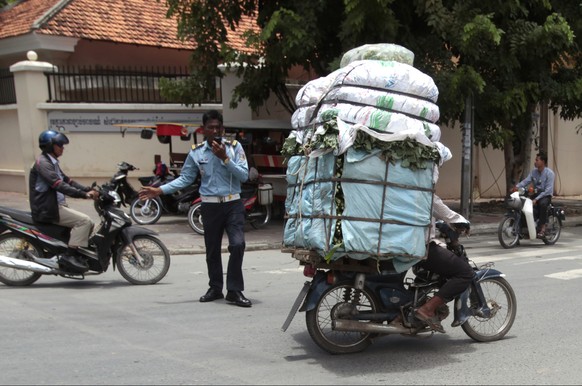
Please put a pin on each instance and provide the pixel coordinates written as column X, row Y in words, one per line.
column 509, row 55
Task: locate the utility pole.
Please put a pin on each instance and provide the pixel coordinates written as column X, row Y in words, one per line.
column 467, row 161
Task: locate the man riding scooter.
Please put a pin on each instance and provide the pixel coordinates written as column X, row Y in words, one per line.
column 48, row 187
column 542, row 180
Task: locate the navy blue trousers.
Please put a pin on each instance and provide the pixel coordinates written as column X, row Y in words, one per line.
column 218, row 218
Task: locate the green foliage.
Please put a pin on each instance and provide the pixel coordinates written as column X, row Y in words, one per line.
column 508, row 54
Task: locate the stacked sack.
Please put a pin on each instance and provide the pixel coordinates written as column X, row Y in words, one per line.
column 362, row 159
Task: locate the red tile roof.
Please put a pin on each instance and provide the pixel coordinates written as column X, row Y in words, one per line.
column 141, row 22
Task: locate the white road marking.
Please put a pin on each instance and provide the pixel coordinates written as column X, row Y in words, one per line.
column 566, row 275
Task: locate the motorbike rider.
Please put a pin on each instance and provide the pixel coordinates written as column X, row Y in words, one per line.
column 542, row 179
column 455, row 269
column 222, row 166
column 48, row 186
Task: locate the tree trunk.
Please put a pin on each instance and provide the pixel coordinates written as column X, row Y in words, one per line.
column 517, row 150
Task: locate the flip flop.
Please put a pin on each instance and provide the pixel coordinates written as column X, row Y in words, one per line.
column 432, row 321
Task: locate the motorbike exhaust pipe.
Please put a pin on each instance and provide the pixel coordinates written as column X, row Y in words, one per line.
column 368, row 327
column 10, row 262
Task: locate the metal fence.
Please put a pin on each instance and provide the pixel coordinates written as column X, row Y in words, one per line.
column 114, row 85
column 7, row 92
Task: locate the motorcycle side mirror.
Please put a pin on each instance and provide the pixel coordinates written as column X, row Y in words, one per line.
column 146, row 134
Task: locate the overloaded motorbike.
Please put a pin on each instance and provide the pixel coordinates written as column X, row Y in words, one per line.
column 520, row 222
column 347, row 306
column 147, row 212
column 29, row 250
column 257, row 198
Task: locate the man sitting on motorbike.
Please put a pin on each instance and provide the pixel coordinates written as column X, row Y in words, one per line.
column 48, row 186
column 440, row 260
column 541, row 179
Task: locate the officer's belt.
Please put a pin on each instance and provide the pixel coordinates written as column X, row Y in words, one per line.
column 215, row 199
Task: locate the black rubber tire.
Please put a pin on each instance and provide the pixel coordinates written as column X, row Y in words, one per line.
column 260, row 216
column 508, row 237
column 501, row 300
column 553, row 230
column 195, row 218
column 146, row 212
column 156, row 261
column 319, row 320
column 14, row 246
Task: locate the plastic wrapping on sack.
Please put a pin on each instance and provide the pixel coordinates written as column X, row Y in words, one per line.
column 404, row 205
column 310, row 193
column 398, row 103
column 387, row 208
column 311, row 92
column 380, row 51
column 390, row 76
column 380, row 120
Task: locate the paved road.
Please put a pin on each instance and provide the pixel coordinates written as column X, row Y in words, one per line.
column 106, row 331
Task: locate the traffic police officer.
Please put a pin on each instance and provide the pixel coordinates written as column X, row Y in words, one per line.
column 222, row 166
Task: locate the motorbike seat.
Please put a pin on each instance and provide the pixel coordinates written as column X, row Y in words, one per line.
column 53, row 230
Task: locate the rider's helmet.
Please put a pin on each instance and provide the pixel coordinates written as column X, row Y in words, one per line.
column 48, row 138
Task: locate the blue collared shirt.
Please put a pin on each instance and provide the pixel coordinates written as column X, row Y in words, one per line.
column 543, row 182
column 217, row 179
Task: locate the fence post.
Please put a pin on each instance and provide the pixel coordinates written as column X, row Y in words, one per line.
column 31, row 89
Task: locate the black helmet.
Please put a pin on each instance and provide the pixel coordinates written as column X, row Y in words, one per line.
column 48, row 138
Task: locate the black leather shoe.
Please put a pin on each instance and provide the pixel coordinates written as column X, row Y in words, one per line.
column 238, row 298
column 211, row 294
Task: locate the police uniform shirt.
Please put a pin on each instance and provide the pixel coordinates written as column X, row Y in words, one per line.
column 217, row 178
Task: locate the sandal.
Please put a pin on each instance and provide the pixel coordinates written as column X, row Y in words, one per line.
column 432, row 321
column 541, row 235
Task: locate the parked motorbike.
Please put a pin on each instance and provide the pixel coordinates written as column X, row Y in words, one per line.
column 147, row 212
column 120, row 184
column 520, row 223
column 348, row 305
column 29, row 250
column 257, row 198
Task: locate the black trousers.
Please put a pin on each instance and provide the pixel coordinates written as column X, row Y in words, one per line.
column 540, row 210
column 218, row 218
column 455, row 269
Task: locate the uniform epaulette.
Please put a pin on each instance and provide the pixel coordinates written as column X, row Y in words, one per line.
column 197, row 146
column 231, row 143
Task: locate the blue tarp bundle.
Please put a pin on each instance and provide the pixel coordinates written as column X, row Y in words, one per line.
column 387, row 208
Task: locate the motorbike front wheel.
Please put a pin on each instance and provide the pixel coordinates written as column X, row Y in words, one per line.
column 507, row 234
column 501, row 301
column 145, row 212
column 195, row 218
column 18, row 248
column 259, row 216
column 155, row 256
column 553, row 230
column 341, row 301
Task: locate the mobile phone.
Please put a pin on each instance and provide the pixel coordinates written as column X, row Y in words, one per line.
column 217, row 140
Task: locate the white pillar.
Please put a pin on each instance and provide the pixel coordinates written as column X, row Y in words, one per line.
column 230, row 80
column 31, row 89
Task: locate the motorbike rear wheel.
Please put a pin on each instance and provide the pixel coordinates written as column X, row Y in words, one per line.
column 195, row 218
column 18, row 248
column 503, row 305
column 145, row 212
column 259, row 216
column 553, row 230
column 507, row 234
column 340, row 301
column 156, row 261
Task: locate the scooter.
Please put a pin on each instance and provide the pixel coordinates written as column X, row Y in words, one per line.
column 349, row 303
column 147, row 212
column 29, row 250
column 520, row 223
column 120, row 184
column 257, row 198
